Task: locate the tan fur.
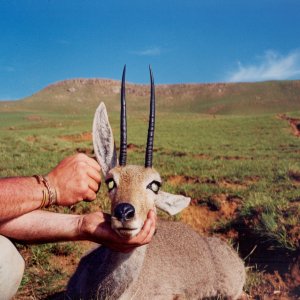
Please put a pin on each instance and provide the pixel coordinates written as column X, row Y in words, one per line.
column 177, row 264
column 132, row 182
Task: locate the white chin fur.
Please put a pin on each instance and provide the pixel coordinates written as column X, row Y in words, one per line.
column 127, row 233
column 126, row 229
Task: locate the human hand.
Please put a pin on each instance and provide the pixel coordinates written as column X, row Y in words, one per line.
column 76, row 178
column 96, row 227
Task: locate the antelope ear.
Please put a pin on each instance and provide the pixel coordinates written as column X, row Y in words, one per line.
column 103, row 140
column 171, row 204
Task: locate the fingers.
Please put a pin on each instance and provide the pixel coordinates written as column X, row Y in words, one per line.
column 90, row 196
column 95, row 176
column 101, row 232
column 92, row 172
column 147, row 232
column 150, row 233
column 91, row 162
column 143, row 238
column 93, row 185
column 76, row 178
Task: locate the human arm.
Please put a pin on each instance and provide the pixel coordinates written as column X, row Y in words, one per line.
column 43, row 226
column 18, row 195
column 76, row 178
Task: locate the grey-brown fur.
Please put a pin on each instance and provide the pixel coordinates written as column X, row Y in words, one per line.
column 177, row 264
column 100, row 274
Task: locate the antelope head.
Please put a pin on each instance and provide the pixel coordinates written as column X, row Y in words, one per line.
column 133, row 190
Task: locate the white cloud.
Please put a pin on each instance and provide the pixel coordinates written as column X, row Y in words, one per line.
column 271, row 66
column 153, row 51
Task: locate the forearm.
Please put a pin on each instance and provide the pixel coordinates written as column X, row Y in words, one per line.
column 74, row 179
column 42, row 227
column 19, row 195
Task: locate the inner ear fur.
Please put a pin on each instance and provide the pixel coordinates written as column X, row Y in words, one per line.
column 171, row 204
column 103, row 140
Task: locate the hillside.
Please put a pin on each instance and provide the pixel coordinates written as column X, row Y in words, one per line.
column 83, row 95
column 241, row 172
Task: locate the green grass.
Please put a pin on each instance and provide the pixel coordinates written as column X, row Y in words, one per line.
column 258, row 153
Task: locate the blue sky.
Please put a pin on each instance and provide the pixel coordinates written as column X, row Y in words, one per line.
column 42, row 42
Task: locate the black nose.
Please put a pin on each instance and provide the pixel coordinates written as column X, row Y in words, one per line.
column 124, row 212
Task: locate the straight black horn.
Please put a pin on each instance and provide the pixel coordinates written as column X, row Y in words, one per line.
column 123, row 124
column 151, row 127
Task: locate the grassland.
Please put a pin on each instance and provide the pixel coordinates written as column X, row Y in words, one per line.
column 242, row 171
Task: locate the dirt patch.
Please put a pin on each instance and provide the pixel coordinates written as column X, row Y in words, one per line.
column 202, row 156
column 237, row 185
column 251, row 179
column 32, row 139
column 279, row 269
column 295, row 176
column 36, row 118
column 276, row 286
column 68, row 262
column 236, row 157
column 203, row 214
column 88, row 151
column 225, row 205
column 208, row 157
column 294, row 123
column 77, row 138
column 133, row 148
column 180, row 179
column 62, row 262
column 200, row 218
column 295, row 273
column 176, row 180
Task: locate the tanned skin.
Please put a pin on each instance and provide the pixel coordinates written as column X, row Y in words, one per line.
column 75, row 179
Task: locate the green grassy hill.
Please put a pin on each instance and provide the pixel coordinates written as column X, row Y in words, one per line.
column 220, row 144
column 83, row 95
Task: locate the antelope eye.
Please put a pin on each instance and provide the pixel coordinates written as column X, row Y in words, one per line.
column 154, row 186
column 110, row 184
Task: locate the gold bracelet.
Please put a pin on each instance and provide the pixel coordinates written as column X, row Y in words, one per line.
column 45, row 193
column 45, row 199
column 49, row 193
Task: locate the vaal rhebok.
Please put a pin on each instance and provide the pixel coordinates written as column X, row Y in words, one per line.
column 178, row 263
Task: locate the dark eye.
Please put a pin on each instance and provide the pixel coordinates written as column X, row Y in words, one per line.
column 110, row 184
column 154, row 186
